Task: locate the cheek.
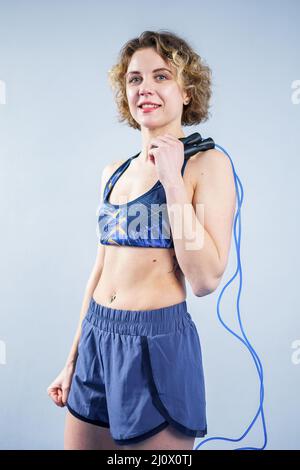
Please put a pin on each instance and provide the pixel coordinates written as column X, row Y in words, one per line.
column 172, row 97
column 129, row 95
column 132, row 100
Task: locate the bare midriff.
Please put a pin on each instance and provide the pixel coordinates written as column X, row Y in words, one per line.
column 136, row 278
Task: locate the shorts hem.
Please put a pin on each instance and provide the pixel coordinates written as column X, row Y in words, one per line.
column 156, row 398
column 97, row 422
column 141, row 437
column 180, row 427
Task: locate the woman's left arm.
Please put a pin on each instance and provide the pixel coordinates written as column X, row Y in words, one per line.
column 202, row 227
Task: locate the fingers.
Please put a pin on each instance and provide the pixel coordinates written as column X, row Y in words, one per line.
column 55, row 394
column 59, row 395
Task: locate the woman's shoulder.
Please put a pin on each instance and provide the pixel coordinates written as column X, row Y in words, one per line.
column 111, row 167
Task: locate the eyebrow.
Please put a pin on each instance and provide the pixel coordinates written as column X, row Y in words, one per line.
column 155, row 70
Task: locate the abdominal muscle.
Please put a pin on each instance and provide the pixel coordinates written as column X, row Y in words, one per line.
column 135, row 278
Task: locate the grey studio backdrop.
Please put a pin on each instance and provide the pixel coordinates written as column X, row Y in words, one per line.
column 58, row 128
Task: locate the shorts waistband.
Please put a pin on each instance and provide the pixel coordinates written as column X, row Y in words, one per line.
column 139, row 322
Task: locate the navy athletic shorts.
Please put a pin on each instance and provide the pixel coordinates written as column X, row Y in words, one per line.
column 138, row 371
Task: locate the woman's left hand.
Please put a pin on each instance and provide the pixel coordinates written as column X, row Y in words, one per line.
column 168, row 158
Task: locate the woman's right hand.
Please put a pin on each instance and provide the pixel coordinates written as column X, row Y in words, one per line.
column 59, row 389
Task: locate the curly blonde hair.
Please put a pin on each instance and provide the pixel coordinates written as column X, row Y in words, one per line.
column 192, row 74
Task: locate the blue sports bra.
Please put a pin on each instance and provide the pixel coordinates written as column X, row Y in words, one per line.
column 142, row 222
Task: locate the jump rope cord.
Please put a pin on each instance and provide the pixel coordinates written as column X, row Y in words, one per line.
column 245, row 341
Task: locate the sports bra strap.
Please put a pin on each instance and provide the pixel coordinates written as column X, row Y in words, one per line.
column 184, row 165
column 114, row 177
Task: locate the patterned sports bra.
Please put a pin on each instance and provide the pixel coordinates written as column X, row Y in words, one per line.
column 142, row 222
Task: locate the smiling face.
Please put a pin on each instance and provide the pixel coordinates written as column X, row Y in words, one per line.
column 145, row 83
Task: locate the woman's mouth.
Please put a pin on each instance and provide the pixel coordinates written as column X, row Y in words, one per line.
column 148, row 109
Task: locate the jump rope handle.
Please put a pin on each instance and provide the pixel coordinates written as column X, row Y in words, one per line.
column 194, row 143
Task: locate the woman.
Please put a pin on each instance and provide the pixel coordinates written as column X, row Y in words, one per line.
column 134, row 376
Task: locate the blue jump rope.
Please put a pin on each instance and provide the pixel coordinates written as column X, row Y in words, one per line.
column 193, row 144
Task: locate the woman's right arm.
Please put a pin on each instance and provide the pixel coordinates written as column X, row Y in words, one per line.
column 58, row 390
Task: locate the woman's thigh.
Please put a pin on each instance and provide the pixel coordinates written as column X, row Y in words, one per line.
column 168, row 438
column 80, row 435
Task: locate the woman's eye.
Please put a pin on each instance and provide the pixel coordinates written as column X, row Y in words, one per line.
column 160, row 75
